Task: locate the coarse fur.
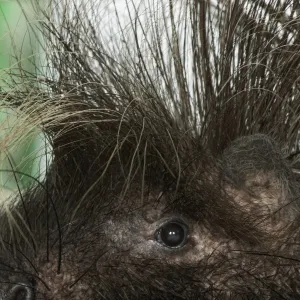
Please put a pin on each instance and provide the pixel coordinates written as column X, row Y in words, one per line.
column 187, row 113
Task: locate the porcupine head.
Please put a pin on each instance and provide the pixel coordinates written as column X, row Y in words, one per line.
column 169, row 175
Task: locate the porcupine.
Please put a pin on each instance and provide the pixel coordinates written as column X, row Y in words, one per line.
column 174, row 169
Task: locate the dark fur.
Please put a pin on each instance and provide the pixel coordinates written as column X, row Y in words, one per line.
column 137, row 141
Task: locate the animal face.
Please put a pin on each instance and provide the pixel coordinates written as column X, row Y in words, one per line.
column 227, row 230
column 174, row 146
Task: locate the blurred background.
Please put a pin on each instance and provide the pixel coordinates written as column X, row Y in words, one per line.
column 19, row 163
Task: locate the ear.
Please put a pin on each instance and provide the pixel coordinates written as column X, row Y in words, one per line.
column 260, row 178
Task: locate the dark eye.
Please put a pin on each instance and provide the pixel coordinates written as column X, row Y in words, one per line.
column 172, row 234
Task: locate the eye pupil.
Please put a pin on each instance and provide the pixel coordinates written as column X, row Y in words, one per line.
column 172, row 234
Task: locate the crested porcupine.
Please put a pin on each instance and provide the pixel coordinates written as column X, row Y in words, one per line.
column 174, row 146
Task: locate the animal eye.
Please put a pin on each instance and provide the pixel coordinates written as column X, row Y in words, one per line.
column 172, row 234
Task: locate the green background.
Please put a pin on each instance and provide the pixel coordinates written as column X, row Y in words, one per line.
column 16, row 45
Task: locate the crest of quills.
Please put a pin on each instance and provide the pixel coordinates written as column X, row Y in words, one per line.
column 174, row 134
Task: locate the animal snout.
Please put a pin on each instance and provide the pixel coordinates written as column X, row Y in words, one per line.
column 21, row 291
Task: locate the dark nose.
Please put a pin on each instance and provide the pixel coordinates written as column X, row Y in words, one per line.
column 21, row 292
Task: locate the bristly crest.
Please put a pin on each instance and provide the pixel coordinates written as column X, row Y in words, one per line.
column 227, row 70
column 141, row 109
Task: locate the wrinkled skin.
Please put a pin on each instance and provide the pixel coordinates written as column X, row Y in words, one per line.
column 240, row 211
